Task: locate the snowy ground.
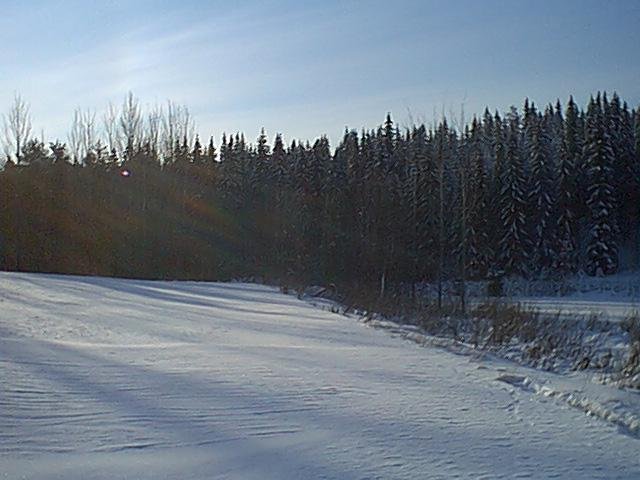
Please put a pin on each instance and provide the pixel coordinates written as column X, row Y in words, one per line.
column 612, row 298
column 609, row 309
column 106, row 378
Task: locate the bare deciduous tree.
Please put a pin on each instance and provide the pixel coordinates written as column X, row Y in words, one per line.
column 82, row 137
column 17, row 128
column 131, row 125
column 177, row 125
column 155, row 120
column 75, row 136
column 110, row 124
column 89, row 137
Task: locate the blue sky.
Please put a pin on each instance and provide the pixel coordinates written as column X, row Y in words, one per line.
column 305, row 68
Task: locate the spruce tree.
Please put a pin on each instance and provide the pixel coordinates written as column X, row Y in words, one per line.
column 420, row 193
column 514, row 244
column 197, row 156
column 619, row 124
column 541, row 195
column 568, row 207
column 602, row 247
column 211, row 153
column 496, row 188
column 262, row 170
column 479, row 247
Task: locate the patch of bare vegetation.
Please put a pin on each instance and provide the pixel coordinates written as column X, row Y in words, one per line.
column 631, row 368
column 551, row 342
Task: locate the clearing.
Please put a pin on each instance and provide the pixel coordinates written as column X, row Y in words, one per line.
column 108, row 378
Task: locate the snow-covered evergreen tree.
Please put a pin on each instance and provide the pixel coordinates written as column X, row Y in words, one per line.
column 230, row 172
column 261, row 171
column 496, row 224
column 620, row 126
column 602, row 247
column 515, row 243
column 567, row 205
column 542, row 194
column 479, row 247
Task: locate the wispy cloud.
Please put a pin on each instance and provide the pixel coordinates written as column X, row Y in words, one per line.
column 307, row 68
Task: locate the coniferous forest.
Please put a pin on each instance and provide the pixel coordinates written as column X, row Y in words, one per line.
column 535, row 192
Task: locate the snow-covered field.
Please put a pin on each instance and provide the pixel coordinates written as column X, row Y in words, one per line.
column 107, row 378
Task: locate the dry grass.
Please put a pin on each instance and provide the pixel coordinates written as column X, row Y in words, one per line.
column 632, row 325
column 512, row 330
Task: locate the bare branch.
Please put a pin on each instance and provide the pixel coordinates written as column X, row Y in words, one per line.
column 75, row 136
column 82, row 136
column 155, row 120
column 131, row 126
column 110, row 123
column 177, row 125
column 16, row 128
column 89, row 136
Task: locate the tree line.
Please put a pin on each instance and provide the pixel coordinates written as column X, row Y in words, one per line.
column 531, row 192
